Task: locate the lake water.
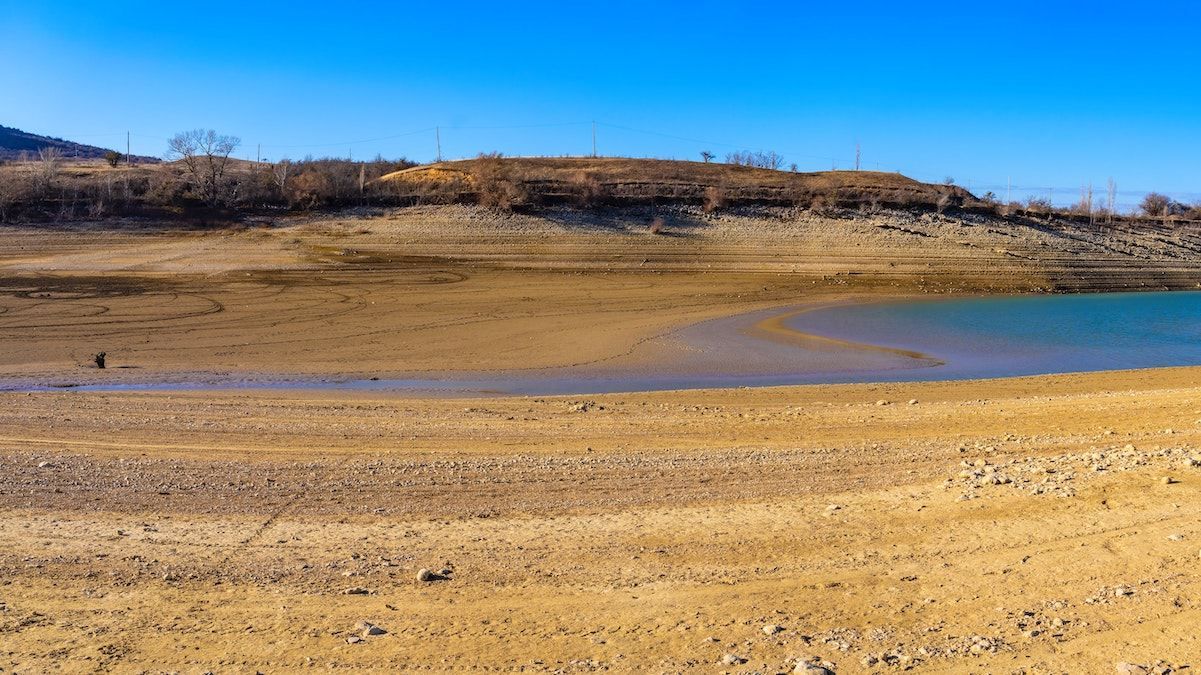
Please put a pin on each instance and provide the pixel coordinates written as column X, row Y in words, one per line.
column 873, row 342
column 1026, row 335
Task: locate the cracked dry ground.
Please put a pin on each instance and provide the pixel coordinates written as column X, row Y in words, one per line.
column 1001, row 526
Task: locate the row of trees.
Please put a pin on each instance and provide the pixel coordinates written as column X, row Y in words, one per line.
column 203, row 173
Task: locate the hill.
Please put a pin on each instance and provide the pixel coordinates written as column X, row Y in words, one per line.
column 517, row 181
column 15, row 143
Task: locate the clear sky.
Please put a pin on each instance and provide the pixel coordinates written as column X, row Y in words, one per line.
column 1045, row 93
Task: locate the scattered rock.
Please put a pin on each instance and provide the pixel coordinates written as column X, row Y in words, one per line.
column 45, row 465
column 913, row 401
column 356, row 590
column 732, row 660
column 772, row 629
column 814, row 666
column 426, row 575
column 1175, row 537
column 353, row 639
column 1122, row 591
column 882, row 402
column 1132, row 669
column 1168, row 480
column 366, row 629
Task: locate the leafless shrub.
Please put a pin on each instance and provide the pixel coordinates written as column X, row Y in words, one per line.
column 760, row 160
column 49, row 161
column 1039, row 205
column 15, row 190
column 164, row 188
column 589, row 192
column 715, row 199
column 495, row 186
column 707, row 156
column 657, row 225
column 1156, row 205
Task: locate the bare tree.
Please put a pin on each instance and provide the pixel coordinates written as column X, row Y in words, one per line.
column 707, row 156
column 1156, row 205
column 205, row 156
column 49, row 159
column 761, row 160
column 279, row 173
column 1111, row 196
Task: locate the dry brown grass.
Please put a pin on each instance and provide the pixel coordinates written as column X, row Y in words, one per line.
column 621, row 180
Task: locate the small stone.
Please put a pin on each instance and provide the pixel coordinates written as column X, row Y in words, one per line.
column 372, row 629
column 1168, row 480
column 1175, row 537
column 913, row 401
column 881, row 402
column 813, row 666
column 356, row 590
column 1132, row 669
column 1122, row 591
column 732, row 660
column 353, row 639
column 772, row 629
column 425, row 575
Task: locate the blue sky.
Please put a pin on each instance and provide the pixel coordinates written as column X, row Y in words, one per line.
column 1045, row 93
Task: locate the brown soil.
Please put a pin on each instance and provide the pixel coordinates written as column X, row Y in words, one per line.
column 995, row 526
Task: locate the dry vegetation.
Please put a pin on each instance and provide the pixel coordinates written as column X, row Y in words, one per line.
column 49, row 188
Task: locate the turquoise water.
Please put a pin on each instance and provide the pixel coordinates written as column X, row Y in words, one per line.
column 1026, row 335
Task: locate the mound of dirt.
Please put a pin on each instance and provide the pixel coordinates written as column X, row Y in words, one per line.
column 611, row 180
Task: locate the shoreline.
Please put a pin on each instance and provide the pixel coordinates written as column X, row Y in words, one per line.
column 758, row 348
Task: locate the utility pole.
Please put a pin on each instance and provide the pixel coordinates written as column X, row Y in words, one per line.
column 594, row 138
column 438, row 140
column 856, row 155
column 258, row 154
column 1009, row 189
column 128, row 156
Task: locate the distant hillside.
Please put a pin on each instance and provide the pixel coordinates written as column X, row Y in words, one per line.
column 521, row 180
column 14, row 142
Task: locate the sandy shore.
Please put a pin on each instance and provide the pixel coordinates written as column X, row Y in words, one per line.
column 990, row 526
column 1020, row 525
